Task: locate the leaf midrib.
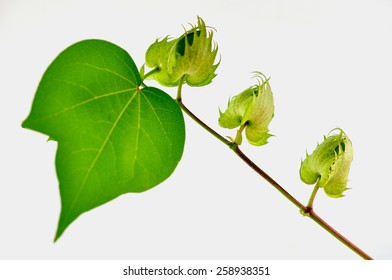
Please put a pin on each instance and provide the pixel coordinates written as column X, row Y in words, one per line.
column 85, row 178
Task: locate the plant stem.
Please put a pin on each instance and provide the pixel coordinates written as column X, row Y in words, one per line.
column 196, row 119
column 145, row 76
column 306, row 210
column 268, row 178
column 338, row 235
column 312, row 197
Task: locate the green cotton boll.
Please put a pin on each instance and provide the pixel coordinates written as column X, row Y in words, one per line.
column 329, row 164
column 191, row 56
column 252, row 110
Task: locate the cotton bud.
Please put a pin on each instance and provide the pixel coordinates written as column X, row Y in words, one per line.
column 189, row 58
column 252, row 110
column 329, row 164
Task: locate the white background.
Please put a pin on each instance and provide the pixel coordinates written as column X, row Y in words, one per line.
column 330, row 64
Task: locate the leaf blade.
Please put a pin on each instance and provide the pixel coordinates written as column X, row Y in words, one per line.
column 113, row 137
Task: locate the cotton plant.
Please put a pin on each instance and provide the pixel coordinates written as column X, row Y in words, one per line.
column 117, row 135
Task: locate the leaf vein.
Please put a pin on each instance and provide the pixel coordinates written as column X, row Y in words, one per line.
column 159, row 120
column 106, row 70
column 83, row 103
column 138, row 133
column 93, row 163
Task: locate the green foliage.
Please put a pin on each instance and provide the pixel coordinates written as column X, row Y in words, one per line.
column 252, row 110
column 329, row 164
column 113, row 136
column 192, row 55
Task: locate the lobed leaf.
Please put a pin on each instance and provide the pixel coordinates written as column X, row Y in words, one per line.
column 114, row 137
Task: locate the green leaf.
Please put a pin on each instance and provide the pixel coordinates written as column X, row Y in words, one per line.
column 113, row 136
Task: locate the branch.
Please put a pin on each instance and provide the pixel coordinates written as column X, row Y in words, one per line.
column 305, row 210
